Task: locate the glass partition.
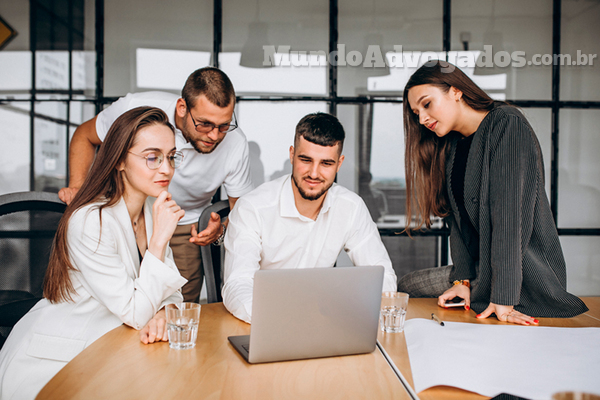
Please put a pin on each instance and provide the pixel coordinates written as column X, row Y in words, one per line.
column 579, row 169
column 579, row 39
column 270, row 129
column 370, row 30
column 172, row 29
column 512, row 36
column 582, row 254
column 276, row 47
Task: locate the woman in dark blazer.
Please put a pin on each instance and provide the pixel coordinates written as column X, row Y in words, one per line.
column 477, row 163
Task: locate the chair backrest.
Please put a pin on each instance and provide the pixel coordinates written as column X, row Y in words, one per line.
column 28, row 222
column 213, row 256
column 24, row 201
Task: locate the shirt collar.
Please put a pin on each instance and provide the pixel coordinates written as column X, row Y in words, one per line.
column 287, row 204
column 328, row 200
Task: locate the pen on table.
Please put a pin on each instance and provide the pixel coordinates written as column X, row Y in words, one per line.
column 436, row 319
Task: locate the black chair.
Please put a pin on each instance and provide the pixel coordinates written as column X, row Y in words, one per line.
column 213, row 256
column 28, row 222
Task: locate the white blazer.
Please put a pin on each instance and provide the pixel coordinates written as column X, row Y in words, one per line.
column 112, row 288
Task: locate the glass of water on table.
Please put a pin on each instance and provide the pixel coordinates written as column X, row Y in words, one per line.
column 393, row 311
column 182, row 324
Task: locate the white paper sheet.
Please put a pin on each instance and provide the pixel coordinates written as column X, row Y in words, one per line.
column 526, row 361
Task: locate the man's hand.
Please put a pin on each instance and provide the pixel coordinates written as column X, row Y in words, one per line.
column 66, row 194
column 156, row 329
column 210, row 234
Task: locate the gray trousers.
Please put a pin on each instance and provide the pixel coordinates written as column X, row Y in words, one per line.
column 430, row 282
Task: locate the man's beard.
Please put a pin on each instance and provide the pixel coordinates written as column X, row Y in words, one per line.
column 307, row 196
column 195, row 144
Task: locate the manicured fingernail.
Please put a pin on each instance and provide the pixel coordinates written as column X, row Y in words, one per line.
column 535, row 321
column 478, row 315
column 467, row 308
column 527, row 322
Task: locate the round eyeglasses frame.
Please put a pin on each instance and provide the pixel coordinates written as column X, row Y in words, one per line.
column 155, row 159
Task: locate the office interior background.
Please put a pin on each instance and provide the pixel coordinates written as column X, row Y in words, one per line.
column 67, row 59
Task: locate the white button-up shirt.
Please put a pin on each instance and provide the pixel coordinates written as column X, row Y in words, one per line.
column 266, row 231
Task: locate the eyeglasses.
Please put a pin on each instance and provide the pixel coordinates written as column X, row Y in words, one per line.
column 155, row 159
column 206, row 127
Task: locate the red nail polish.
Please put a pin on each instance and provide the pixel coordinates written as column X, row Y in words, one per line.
column 527, row 323
column 478, row 315
column 536, row 321
column 467, row 308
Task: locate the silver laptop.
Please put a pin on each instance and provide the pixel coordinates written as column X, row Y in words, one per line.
column 314, row 312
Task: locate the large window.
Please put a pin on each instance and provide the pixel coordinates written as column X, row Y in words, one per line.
column 47, row 87
column 321, row 55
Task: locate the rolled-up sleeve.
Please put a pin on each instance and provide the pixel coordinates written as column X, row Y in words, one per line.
column 364, row 246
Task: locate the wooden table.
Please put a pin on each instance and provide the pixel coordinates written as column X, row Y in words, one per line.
column 395, row 344
column 118, row 366
column 593, row 303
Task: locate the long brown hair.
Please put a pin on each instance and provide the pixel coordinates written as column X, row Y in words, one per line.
column 103, row 184
column 425, row 158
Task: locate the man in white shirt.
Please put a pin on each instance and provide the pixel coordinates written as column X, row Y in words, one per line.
column 302, row 220
column 215, row 153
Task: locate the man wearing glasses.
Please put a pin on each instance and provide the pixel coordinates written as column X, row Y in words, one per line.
column 215, row 153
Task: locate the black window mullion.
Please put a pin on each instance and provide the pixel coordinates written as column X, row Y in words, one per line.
column 333, row 42
column 556, row 26
column 32, row 46
column 446, row 27
column 70, row 69
column 217, row 31
column 217, row 46
column 99, row 54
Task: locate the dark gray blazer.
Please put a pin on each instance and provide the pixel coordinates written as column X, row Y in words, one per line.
column 520, row 258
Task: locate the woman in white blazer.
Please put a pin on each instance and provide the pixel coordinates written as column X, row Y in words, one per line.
column 110, row 263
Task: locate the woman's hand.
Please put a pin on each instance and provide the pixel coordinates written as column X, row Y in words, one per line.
column 461, row 291
column 156, row 329
column 508, row 314
column 166, row 214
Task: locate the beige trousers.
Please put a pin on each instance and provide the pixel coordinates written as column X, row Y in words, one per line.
column 189, row 262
